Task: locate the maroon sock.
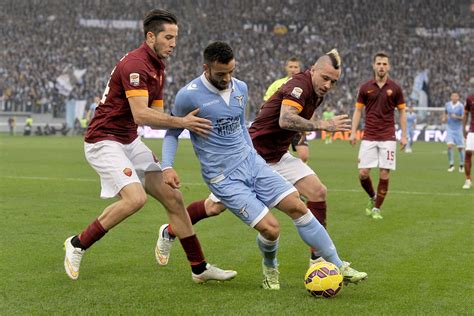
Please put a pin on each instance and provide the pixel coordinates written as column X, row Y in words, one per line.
column 193, row 250
column 196, row 211
column 319, row 211
column 381, row 192
column 91, row 234
column 368, row 187
column 467, row 164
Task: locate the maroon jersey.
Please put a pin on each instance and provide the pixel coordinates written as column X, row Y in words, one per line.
column 380, row 104
column 139, row 73
column 469, row 108
column 269, row 139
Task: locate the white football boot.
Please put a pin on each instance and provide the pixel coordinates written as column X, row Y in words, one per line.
column 72, row 260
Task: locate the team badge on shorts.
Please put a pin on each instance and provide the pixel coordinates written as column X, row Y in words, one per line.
column 297, row 91
column 127, row 172
column 243, row 213
column 389, row 92
column 134, row 79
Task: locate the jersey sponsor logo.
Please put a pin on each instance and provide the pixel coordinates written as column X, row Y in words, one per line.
column 134, row 79
column 297, row 91
column 370, row 91
column 389, row 92
column 210, row 103
column 127, row 172
column 227, row 126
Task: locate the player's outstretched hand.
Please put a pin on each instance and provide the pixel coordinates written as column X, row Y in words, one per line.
column 352, row 139
column 403, row 142
column 197, row 125
column 170, row 177
column 339, row 123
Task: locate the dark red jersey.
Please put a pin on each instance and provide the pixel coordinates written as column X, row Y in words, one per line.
column 139, row 73
column 269, row 139
column 469, row 108
column 380, row 104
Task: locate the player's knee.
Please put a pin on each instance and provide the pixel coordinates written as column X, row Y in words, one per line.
column 213, row 208
column 136, row 202
column 298, row 208
column 172, row 200
column 319, row 193
column 271, row 230
column 363, row 174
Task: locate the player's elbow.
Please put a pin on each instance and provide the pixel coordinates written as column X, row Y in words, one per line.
column 283, row 123
column 140, row 118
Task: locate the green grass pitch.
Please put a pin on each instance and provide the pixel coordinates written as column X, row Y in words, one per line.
column 419, row 257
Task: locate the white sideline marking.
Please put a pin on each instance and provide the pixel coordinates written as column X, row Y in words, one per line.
column 203, row 184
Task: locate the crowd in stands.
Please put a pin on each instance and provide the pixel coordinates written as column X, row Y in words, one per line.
column 40, row 38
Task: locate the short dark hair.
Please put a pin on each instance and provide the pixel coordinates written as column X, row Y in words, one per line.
column 381, row 54
column 154, row 20
column 218, row 51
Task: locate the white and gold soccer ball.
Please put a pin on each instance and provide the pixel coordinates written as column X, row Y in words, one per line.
column 323, row 279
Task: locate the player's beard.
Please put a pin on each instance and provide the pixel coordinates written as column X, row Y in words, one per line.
column 381, row 75
column 220, row 85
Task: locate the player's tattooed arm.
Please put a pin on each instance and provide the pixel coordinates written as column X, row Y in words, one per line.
column 289, row 119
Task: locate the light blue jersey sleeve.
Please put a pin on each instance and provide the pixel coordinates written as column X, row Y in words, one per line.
column 182, row 107
column 242, row 117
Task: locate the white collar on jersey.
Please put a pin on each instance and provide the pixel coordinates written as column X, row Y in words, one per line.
column 456, row 104
column 225, row 94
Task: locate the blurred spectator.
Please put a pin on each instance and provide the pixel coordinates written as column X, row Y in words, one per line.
column 12, row 125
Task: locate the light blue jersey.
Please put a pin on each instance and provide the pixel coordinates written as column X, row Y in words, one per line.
column 229, row 143
column 231, row 167
column 454, row 133
column 456, row 109
column 411, row 119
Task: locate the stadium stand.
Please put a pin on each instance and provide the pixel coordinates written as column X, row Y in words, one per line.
column 41, row 39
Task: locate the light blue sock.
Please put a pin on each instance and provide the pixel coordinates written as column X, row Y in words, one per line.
column 269, row 250
column 461, row 158
column 450, row 156
column 314, row 235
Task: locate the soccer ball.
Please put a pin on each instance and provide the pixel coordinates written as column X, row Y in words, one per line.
column 323, row 279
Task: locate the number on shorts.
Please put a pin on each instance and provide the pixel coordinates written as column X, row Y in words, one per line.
column 390, row 155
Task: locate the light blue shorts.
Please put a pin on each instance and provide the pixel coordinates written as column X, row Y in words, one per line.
column 455, row 137
column 252, row 189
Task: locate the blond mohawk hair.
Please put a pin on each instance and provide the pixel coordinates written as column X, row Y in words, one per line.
column 335, row 58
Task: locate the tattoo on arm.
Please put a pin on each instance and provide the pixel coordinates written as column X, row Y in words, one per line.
column 289, row 119
column 331, row 127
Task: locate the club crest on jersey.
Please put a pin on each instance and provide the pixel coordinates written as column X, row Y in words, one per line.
column 134, row 79
column 297, row 91
column 239, row 99
column 389, row 92
column 127, row 172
